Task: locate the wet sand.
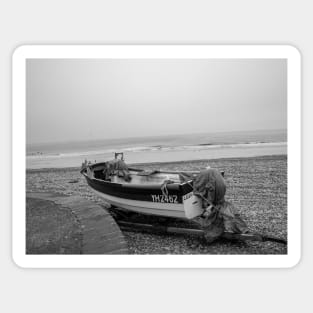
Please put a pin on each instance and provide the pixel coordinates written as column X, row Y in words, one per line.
column 257, row 186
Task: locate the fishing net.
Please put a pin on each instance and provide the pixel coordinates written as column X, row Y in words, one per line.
column 219, row 216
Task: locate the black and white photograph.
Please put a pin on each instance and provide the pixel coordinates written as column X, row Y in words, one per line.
column 156, row 156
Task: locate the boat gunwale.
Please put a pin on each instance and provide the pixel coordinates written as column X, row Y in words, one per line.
column 128, row 185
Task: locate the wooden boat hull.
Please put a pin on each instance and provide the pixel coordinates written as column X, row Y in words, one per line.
column 178, row 201
column 145, row 207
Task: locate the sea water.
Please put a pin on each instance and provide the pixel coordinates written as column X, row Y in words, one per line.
column 158, row 148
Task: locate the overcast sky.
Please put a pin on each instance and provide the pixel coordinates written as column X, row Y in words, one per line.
column 94, row 99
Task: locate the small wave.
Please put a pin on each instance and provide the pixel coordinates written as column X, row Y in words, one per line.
column 138, row 149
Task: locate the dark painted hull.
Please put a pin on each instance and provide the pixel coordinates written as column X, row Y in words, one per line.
column 178, row 201
column 138, row 192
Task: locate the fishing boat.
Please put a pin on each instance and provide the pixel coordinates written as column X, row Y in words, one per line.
column 158, row 193
column 162, row 193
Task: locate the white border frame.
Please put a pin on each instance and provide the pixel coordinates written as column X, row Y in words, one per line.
column 159, row 52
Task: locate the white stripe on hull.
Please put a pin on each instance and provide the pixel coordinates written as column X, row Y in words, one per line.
column 153, row 208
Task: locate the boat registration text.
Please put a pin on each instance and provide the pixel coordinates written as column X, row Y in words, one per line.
column 164, row 198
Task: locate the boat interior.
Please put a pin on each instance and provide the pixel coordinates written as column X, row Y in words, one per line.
column 137, row 176
column 127, row 175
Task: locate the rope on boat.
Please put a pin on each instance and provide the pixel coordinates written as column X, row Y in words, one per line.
column 164, row 187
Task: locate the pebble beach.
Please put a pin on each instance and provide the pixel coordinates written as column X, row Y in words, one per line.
column 257, row 186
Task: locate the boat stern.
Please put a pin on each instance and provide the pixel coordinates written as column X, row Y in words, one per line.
column 192, row 205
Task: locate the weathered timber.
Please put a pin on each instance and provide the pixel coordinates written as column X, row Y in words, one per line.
column 129, row 226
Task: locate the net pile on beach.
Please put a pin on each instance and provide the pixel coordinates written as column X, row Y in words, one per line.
column 220, row 215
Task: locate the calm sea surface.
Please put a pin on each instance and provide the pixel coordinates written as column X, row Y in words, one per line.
column 158, row 149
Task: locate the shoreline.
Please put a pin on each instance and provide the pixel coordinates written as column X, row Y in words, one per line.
column 156, row 156
column 180, row 162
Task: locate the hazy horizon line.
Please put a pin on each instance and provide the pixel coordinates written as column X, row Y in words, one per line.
column 153, row 136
